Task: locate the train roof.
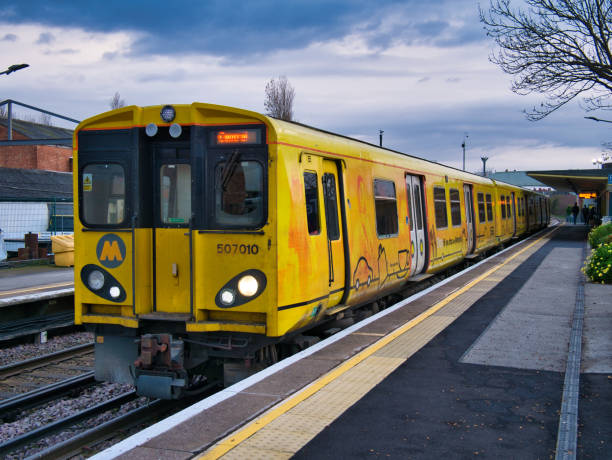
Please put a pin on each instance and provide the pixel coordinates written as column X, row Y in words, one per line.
column 432, row 166
column 284, row 130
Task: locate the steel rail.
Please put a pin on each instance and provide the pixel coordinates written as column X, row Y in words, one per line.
column 47, row 393
column 34, row 363
column 59, row 425
column 73, row 446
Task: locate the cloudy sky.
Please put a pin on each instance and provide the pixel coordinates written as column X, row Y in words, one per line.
column 417, row 70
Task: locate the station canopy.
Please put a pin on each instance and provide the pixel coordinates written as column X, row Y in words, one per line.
column 574, row 180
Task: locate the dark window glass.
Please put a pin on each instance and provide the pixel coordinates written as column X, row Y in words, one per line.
column 419, row 207
column 503, row 207
column 508, row 208
column 409, row 197
column 103, row 188
column 440, row 207
column 386, row 208
column 455, row 203
column 239, row 194
column 175, row 194
column 331, row 206
column 481, row 208
column 312, row 203
column 489, row 208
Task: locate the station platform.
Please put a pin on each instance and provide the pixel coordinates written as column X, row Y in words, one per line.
column 34, row 282
column 35, row 299
column 511, row 358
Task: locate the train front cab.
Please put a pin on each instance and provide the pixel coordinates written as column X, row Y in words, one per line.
column 175, row 241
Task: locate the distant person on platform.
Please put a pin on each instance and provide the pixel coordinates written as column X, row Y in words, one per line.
column 568, row 213
column 575, row 211
column 585, row 214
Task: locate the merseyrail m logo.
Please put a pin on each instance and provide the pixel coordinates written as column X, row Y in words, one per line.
column 111, row 251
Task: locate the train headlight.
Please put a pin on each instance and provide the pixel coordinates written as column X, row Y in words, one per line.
column 167, row 113
column 227, row 297
column 95, row 280
column 248, row 286
column 114, row 292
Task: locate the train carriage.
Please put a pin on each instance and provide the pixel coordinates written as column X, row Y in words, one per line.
column 208, row 236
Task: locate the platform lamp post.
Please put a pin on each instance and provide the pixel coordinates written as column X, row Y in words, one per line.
column 484, row 166
column 11, row 69
column 463, row 147
column 380, row 135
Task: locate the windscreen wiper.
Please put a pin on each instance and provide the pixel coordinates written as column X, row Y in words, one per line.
column 229, row 168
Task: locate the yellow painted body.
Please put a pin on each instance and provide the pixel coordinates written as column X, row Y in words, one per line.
column 308, row 276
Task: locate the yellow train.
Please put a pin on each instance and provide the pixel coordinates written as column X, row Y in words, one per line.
column 209, row 237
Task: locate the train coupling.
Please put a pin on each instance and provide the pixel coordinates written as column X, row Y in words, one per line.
column 158, row 370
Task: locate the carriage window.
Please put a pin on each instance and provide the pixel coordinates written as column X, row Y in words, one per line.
column 331, row 206
column 175, row 194
column 455, row 203
column 103, row 188
column 503, row 207
column 440, row 207
column 481, row 208
column 508, row 213
column 386, row 208
column 312, row 203
column 239, row 193
column 489, row 208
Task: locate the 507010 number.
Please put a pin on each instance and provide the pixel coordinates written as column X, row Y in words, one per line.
column 243, row 249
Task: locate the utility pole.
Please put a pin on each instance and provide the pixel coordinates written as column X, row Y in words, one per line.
column 484, row 166
column 463, row 147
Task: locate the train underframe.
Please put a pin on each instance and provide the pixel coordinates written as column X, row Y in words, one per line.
column 163, row 361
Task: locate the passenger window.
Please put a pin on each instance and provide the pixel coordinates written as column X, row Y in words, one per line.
column 455, row 202
column 417, row 203
column 312, row 203
column 386, row 208
column 175, row 193
column 239, row 193
column 489, row 208
column 331, row 206
column 503, row 207
column 481, row 208
column 508, row 213
column 440, row 207
column 103, row 188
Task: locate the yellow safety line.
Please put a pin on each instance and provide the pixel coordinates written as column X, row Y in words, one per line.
column 39, row 288
column 250, row 429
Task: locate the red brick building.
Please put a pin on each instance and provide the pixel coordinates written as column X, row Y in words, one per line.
column 37, row 156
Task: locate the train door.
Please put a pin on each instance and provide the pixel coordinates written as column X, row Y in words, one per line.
column 416, row 213
column 469, row 216
column 333, row 223
column 513, row 198
column 172, row 214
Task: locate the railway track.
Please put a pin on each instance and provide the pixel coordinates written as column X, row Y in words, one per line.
column 33, row 375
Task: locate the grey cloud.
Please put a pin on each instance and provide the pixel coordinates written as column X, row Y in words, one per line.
column 9, row 38
column 45, row 38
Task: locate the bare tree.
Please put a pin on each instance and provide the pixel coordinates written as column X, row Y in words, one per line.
column 279, row 98
column 116, row 102
column 559, row 48
column 45, row 119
